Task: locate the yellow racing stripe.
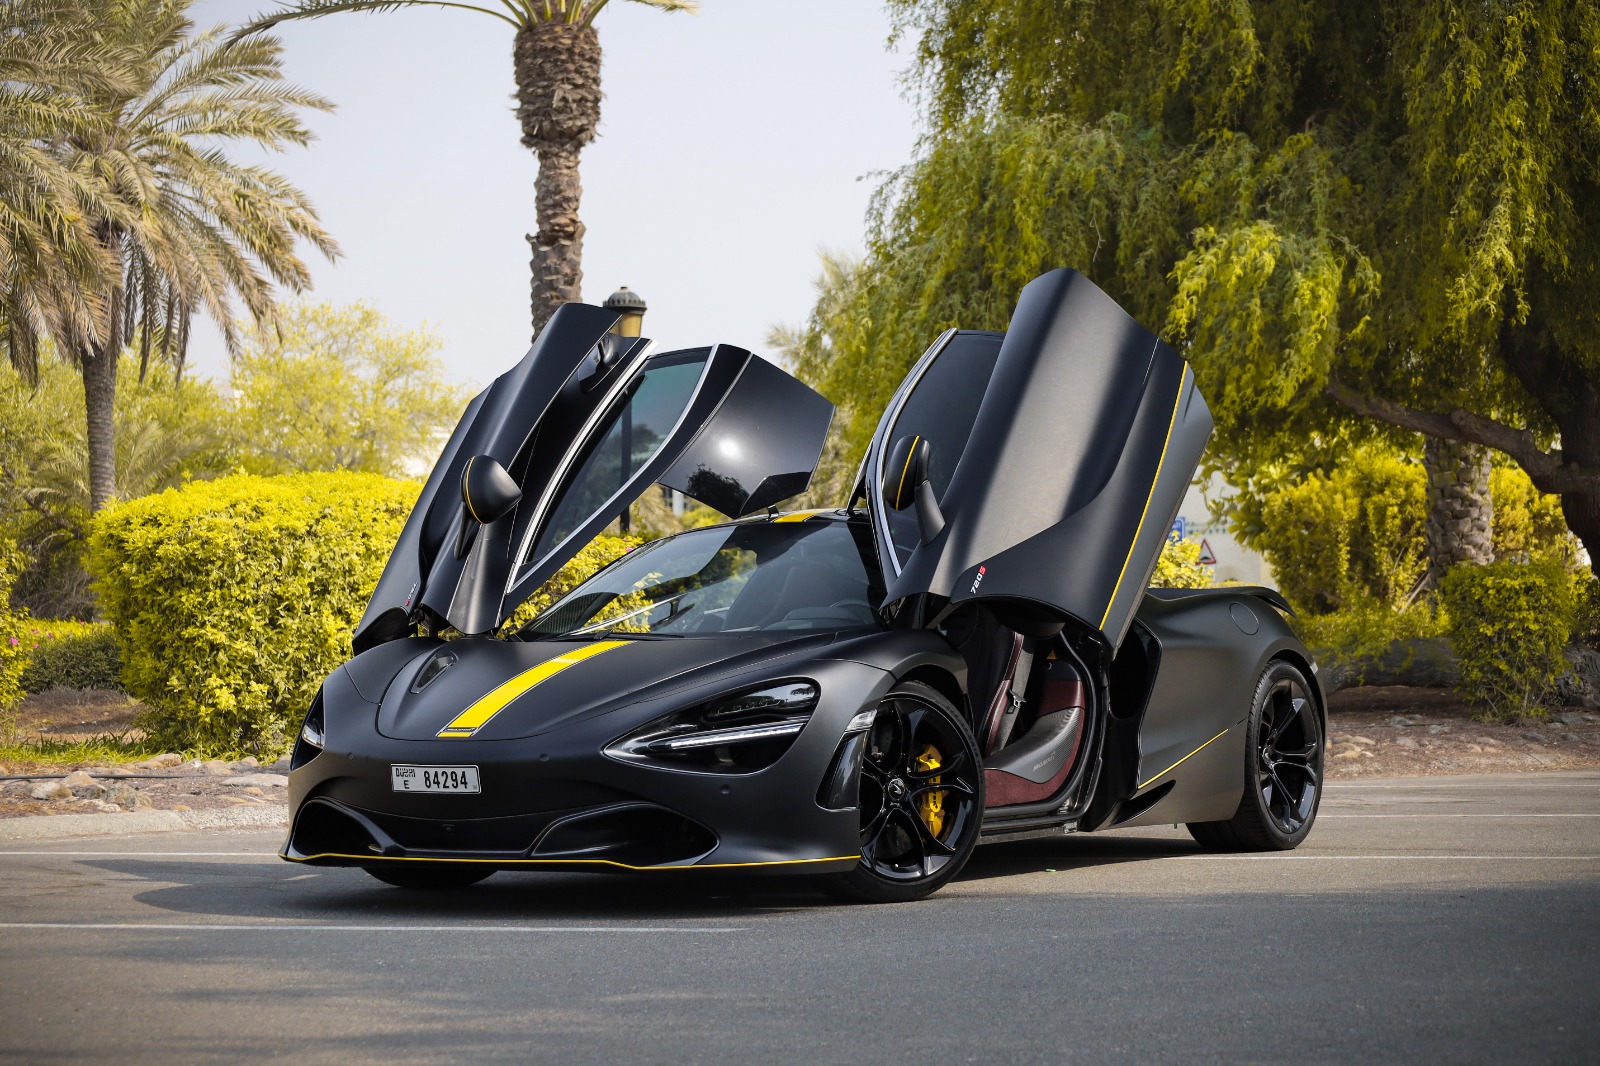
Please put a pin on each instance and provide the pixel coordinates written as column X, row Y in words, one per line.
column 1183, row 379
column 496, row 700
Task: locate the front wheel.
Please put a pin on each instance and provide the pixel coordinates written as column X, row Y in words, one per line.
column 429, row 876
column 921, row 799
column 1282, row 772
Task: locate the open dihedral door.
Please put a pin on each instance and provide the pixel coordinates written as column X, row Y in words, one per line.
column 582, row 426
column 1059, row 455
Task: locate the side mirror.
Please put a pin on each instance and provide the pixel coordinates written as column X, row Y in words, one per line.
column 489, row 494
column 905, row 481
column 904, row 469
column 487, row 490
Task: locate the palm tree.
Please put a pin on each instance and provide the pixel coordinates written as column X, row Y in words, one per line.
column 556, row 62
column 185, row 229
column 49, row 259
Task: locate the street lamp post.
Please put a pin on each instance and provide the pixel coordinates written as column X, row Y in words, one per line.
column 631, row 308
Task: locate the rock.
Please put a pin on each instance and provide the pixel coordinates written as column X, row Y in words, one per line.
column 1402, row 721
column 1580, row 685
column 1418, row 663
column 1363, row 740
column 282, row 765
column 249, row 762
column 1353, row 753
column 1573, row 717
column 253, row 790
column 165, row 761
column 83, row 785
column 1437, row 729
column 1537, row 738
column 1407, row 742
column 127, row 797
column 180, row 807
column 54, row 791
column 256, row 781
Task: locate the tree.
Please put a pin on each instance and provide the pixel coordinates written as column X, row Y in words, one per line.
column 339, row 388
column 556, row 63
column 1356, row 219
column 48, row 61
column 167, row 432
column 182, row 228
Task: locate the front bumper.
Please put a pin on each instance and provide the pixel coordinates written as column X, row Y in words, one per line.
column 555, row 801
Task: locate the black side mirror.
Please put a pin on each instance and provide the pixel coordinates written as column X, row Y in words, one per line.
column 905, row 481
column 487, row 490
column 489, row 494
column 904, row 469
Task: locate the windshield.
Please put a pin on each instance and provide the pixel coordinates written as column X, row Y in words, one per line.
column 727, row 579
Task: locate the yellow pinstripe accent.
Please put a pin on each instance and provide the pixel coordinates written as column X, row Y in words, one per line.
column 907, row 468
column 466, row 496
column 1183, row 379
column 799, row 516
column 477, row 716
column 1180, row 762
column 570, row 862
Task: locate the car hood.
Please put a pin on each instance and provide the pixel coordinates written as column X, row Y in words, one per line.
column 501, row 690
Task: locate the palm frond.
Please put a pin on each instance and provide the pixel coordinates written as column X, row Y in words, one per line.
column 311, row 9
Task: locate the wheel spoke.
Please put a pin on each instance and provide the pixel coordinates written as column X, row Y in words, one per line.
column 927, row 840
column 874, row 831
column 960, row 788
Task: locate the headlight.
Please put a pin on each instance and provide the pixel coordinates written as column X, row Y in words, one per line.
column 312, row 738
column 735, row 734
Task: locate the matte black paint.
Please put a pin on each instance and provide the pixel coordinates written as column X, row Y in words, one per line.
column 1088, row 431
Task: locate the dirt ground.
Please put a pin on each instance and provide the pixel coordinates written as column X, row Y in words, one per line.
column 1373, row 732
column 1413, row 732
column 163, row 783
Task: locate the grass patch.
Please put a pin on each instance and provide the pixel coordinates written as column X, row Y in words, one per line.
column 103, row 749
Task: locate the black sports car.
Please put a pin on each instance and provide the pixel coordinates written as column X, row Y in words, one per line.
column 967, row 652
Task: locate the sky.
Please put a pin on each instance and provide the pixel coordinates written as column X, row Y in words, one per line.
column 734, row 145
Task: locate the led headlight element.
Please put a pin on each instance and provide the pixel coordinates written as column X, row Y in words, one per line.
column 740, row 733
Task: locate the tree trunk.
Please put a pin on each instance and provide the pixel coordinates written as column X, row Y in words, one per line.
column 558, row 105
column 1460, row 510
column 99, row 368
column 1569, row 395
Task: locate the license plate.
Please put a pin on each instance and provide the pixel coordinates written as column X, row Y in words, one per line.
column 434, row 778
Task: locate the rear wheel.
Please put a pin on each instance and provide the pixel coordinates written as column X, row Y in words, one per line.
column 1282, row 771
column 429, row 876
column 921, row 798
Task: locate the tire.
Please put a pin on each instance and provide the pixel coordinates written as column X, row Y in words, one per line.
column 1283, row 762
column 921, row 790
column 429, row 876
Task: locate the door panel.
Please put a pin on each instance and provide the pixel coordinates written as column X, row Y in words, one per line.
column 720, row 425
column 1086, row 437
column 584, row 424
column 499, row 423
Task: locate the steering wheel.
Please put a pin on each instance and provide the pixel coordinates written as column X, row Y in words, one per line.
column 851, row 603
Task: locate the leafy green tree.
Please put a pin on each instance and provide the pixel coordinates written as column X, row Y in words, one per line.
column 1355, row 218
column 183, row 228
column 340, row 388
column 167, row 432
column 555, row 60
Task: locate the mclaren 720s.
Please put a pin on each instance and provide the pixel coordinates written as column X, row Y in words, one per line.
column 967, row 651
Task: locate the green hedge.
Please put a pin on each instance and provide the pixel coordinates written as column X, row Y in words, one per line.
column 70, row 655
column 13, row 650
column 234, row 598
column 1509, row 624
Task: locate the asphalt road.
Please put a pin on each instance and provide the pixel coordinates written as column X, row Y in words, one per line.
column 1444, row 919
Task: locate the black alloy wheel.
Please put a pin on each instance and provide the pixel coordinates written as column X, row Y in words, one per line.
column 430, row 876
column 1283, row 769
column 921, row 798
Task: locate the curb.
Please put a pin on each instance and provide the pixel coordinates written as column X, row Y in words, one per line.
column 56, row 826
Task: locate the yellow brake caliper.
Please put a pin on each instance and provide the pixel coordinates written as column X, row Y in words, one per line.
column 931, row 803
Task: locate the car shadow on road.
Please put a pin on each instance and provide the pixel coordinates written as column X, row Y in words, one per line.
column 260, row 891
